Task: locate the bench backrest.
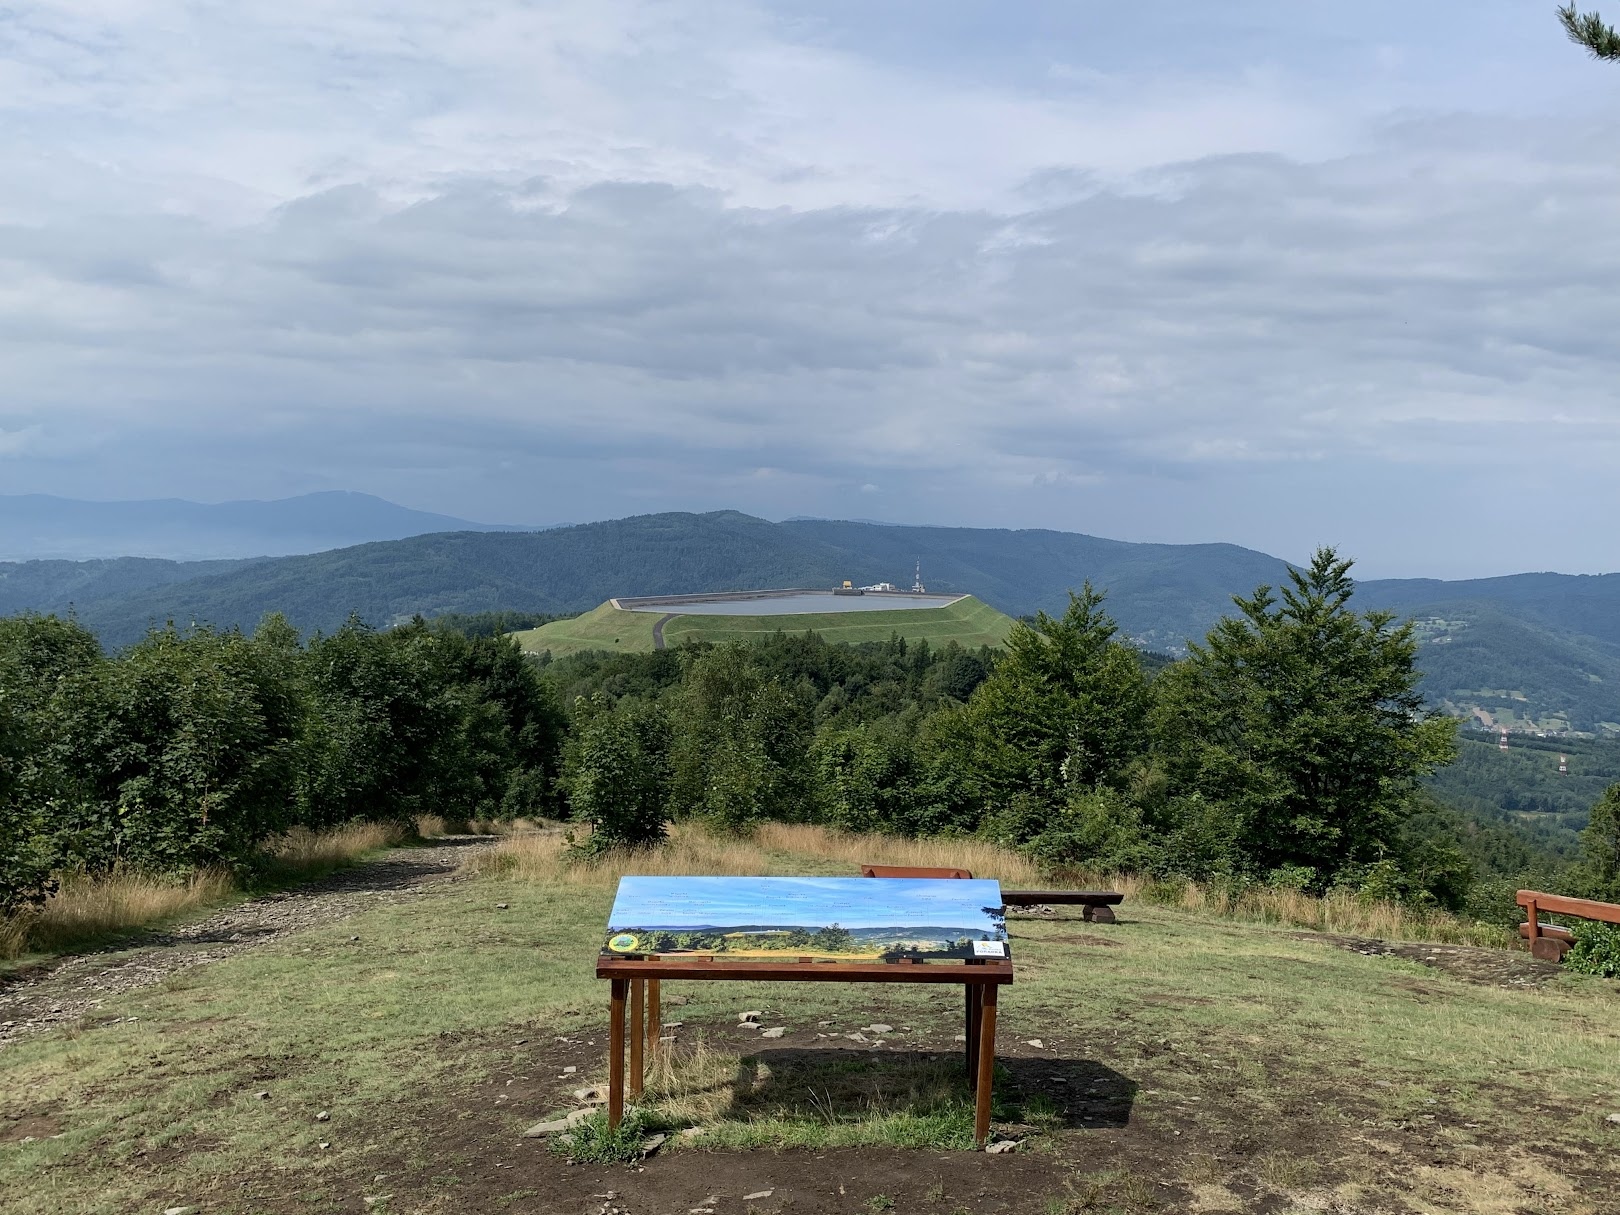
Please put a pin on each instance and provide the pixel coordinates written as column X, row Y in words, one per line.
column 912, row 871
column 1536, row 904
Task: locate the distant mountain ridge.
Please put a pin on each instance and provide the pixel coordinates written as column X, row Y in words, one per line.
column 1535, row 652
column 43, row 527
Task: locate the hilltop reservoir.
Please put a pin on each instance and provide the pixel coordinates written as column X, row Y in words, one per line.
column 785, row 603
column 655, row 622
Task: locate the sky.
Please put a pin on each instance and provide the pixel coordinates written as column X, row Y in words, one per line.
column 1276, row 274
column 694, row 902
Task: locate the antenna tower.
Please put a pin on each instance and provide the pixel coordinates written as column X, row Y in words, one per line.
column 916, row 585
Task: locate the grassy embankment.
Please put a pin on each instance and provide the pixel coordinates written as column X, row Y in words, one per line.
column 969, row 622
column 89, row 910
column 1174, row 1061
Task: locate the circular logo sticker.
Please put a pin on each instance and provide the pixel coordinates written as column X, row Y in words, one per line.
column 625, row 942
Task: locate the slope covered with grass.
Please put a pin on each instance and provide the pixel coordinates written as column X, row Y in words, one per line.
column 1174, row 1061
column 968, row 622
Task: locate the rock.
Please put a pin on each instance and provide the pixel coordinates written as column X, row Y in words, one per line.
column 1612, row 1118
column 179, row 1210
column 757, row 1195
column 755, row 1015
column 689, row 1134
column 564, row 1123
column 959, row 1038
column 354, row 938
column 1036, row 1043
column 673, row 1024
column 857, row 1037
column 501, row 906
column 587, row 1094
column 749, row 1025
column 323, row 1116
column 262, row 1096
column 652, row 1143
column 1001, row 1146
column 569, row 1071
column 878, row 1029
column 776, row 1031
column 324, row 1145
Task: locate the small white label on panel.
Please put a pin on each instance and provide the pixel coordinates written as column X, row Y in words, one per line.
column 989, row 949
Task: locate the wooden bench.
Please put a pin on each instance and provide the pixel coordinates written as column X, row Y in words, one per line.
column 1552, row 941
column 1098, row 904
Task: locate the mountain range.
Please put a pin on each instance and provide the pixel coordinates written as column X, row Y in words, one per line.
column 1535, row 652
column 40, row 526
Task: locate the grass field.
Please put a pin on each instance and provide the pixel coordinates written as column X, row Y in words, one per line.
column 1171, row 1062
column 968, row 622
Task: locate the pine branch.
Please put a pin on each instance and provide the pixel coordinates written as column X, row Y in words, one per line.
column 1589, row 30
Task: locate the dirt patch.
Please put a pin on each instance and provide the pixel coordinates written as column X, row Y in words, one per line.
column 28, row 1126
column 69, row 990
column 1490, row 967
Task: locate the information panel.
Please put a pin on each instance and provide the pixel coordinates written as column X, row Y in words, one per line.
column 829, row 919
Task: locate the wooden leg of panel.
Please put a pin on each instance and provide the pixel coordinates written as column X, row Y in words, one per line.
column 616, row 1054
column 971, row 1030
column 655, row 1017
column 638, row 1035
column 987, row 1061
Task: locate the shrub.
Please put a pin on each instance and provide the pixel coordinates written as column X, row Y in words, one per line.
column 1596, row 950
column 592, row 1143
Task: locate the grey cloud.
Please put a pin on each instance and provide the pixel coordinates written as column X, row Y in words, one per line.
column 1444, row 299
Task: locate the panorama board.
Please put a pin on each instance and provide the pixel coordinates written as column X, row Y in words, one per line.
column 830, row 919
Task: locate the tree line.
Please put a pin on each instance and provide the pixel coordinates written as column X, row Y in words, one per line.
column 192, row 748
column 1289, row 747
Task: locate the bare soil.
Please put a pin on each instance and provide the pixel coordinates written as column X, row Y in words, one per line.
column 1490, row 967
column 64, row 991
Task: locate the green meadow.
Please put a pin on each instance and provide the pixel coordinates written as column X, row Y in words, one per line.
column 1170, row 1062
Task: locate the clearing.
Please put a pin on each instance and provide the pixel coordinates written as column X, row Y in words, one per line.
column 386, row 1057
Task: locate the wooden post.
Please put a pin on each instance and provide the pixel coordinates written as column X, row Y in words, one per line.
column 655, row 1017
column 638, row 1034
column 1535, row 925
column 971, row 1021
column 616, row 1054
column 986, row 1060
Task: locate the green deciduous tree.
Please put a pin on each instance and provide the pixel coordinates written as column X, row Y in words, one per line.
column 617, row 772
column 1302, row 721
column 741, row 742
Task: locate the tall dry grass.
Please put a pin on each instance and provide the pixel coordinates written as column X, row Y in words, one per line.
column 436, row 826
column 86, row 908
column 780, row 848
column 90, row 908
column 1337, row 911
column 787, row 848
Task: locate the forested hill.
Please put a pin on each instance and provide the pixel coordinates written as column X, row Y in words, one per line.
column 1530, row 651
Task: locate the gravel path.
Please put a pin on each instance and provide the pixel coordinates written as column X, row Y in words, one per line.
column 64, row 990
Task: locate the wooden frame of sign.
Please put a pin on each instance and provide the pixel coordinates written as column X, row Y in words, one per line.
column 637, row 991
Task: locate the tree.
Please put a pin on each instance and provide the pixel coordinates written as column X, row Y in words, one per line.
column 617, row 772
column 741, row 742
column 1302, row 722
column 38, row 654
column 1065, row 708
column 1601, row 842
column 1590, row 31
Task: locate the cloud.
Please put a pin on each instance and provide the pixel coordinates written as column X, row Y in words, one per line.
column 660, row 255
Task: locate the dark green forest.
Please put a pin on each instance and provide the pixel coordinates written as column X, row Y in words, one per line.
column 1546, row 646
column 1291, row 746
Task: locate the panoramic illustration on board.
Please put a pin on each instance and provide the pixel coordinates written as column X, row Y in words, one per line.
column 838, row 919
